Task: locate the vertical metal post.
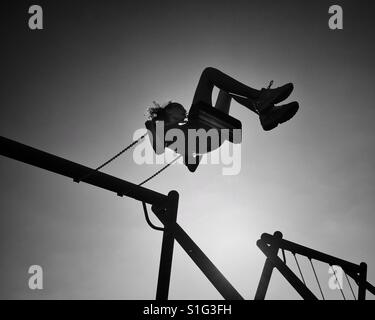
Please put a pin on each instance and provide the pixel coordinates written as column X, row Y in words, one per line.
column 167, row 247
column 264, row 281
column 267, row 270
column 362, row 281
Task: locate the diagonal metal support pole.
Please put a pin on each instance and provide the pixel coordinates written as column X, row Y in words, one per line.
column 288, row 274
column 200, row 259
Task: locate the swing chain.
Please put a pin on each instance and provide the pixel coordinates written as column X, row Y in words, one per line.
column 110, row 160
column 299, row 268
column 317, row 279
column 93, row 171
column 338, row 283
column 283, row 253
column 270, row 84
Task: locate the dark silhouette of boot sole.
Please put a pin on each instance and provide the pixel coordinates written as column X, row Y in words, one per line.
column 278, row 115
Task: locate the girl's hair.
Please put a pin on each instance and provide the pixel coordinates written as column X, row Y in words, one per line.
column 158, row 112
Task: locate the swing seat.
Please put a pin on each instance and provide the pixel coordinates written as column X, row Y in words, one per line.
column 207, row 117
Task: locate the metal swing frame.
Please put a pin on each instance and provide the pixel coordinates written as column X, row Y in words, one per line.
column 270, row 246
column 165, row 208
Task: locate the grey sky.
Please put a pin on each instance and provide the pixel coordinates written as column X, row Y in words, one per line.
column 80, row 88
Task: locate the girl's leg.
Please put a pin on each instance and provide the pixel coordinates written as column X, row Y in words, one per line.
column 259, row 101
column 246, row 102
column 213, row 77
column 270, row 120
column 224, row 100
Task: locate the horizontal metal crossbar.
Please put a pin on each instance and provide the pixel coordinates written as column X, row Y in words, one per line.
column 349, row 267
column 50, row 162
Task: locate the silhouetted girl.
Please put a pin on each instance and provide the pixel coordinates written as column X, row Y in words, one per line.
column 262, row 102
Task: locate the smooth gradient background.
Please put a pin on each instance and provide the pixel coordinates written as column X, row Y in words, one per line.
column 79, row 89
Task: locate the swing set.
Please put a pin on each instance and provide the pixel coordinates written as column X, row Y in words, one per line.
column 270, row 245
column 165, row 208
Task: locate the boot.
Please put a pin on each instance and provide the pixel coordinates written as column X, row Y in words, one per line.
column 269, row 97
column 277, row 115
